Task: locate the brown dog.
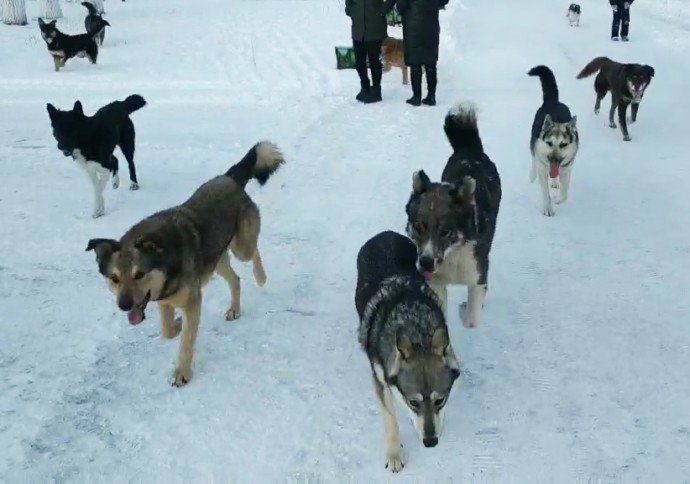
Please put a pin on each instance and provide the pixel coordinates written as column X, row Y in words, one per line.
column 394, row 56
column 627, row 83
column 169, row 256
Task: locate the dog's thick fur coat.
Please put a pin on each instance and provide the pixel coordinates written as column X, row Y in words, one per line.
column 170, row 256
column 393, row 51
column 453, row 222
column 403, row 332
column 554, row 141
column 627, row 83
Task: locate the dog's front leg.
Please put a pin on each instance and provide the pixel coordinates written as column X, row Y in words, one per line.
column 395, row 458
column 543, row 173
column 475, row 302
column 190, row 328
column 614, row 105
column 441, row 290
column 564, row 178
column 633, row 112
column 169, row 327
column 622, row 114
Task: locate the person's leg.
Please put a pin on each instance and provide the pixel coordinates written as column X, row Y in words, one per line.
column 416, row 81
column 615, row 23
column 374, row 56
column 625, row 23
column 431, row 82
column 361, row 67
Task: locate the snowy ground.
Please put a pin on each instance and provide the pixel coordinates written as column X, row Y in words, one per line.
column 579, row 370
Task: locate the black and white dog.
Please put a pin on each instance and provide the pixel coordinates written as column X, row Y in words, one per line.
column 573, row 15
column 94, row 23
column 91, row 140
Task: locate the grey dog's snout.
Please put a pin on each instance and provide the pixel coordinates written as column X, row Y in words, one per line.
column 430, row 441
column 426, row 263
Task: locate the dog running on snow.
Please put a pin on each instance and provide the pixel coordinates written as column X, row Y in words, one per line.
column 171, row 255
column 403, row 332
column 453, row 222
column 627, row 83
column 554, row 141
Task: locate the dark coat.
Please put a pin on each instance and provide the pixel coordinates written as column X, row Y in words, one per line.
column 368, row 19
column 620, row 3
column 420, row 30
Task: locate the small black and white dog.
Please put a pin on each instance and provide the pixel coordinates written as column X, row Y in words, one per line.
column 91, row 140
column 573, row 14
column 63, row 47
column 94, row 23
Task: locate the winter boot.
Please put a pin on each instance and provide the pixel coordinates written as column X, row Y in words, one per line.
column 374, row 95
column 431, row 81
column 364, row 91
column 416, row 81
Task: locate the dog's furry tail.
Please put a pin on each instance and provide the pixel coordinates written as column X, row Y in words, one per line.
column 90, row 7
column 461, row 128
column 134, row 103
column 593, row 67
column 548, row 82
column 260, row 162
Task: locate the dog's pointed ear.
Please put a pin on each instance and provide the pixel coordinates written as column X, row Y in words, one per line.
column 548, row 123
column 147, row 243
column 649, row 70
column 573, row 122
column 40, row 21
column 105, row 22
column 51, row 110
column 403, row 345
column 464, row 191
column 104, row 248
column 440, row 343
column 78, row 108
column 420, row 182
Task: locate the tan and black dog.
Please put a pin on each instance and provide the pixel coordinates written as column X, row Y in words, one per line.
column 170, row 256
column 627, row 83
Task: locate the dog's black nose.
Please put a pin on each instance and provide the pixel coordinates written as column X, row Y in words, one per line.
column 426, row 264
column 430, row 441
column 125, row 302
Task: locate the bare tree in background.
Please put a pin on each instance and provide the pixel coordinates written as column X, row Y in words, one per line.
column 13, row 12
column 49, row 9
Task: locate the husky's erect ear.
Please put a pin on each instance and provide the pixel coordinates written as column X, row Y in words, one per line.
column 548, row 123
column 78, row 109
column 403, row 345
column 464, row 191
column 52, row 110
column 105, row 248
column 649, row 70
column 105, row 22
column 41, row 22
column 149, row 244
column 440, row 343
column 420, row 182
column 573, row 122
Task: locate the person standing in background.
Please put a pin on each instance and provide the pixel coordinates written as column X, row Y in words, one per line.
column 369, row 29
column 421, row 32
column 621, row 19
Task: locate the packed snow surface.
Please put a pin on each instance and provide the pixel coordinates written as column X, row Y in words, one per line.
column 579, row 370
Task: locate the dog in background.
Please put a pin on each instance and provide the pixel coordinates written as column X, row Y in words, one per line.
column 453, row 222
column 171, row 255
column 91, row 140
column 95, row 23
column 627, row 83
column 63, row 47
column 393, row 52
column 573, row 15
column 554, row 141
column 403, row 332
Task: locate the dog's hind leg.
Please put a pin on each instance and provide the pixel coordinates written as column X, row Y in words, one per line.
column 169, row 327
column 601, row 87
column 126, row 144
column 244, row 245
column 406, row 79
column 395, row 458
column 190, row 328
column 225, row 270
column 475, row 302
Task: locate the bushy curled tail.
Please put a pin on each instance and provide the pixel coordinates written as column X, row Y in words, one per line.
column 261, row 161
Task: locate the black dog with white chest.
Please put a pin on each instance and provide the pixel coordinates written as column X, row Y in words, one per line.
column 91, row 140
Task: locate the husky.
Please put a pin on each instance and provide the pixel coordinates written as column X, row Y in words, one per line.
column 171, row 255
column 63, row 47
column 627, row 83
column 90, row 141
column 453, row 222
column 573, row 15
column 95, row 23
column 554, row 141
column 403, row 332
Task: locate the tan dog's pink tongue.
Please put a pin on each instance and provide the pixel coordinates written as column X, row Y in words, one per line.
column 135, row 316
column 554, row 170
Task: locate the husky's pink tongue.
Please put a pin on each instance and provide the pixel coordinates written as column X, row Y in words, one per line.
column 428, row 275
column 135, row 316
column 554, row 169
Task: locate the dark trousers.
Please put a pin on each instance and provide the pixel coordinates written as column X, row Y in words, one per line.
column 621, row 20
column 416, row 77
column 368, row 51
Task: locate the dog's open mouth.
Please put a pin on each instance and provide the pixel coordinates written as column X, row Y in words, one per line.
column 137, row 314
